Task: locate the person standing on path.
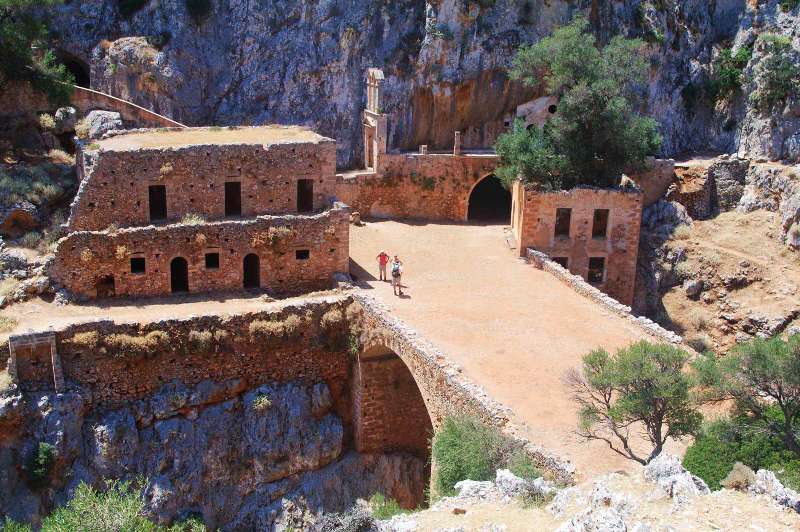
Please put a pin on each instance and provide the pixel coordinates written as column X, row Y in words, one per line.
column 397, row 272
column 383, row 260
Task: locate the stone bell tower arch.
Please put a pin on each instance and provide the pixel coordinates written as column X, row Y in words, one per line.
column 374, row 122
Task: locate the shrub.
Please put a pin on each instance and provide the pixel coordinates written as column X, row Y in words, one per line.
column 39, row 464
column 127, row 345
column 199, row 9
column 86, row 340
column 264, row 329
column 710, row 458
column 166, row 169
column 82, row 128
column 32, row 184
column 740, row 478
column 698, row 319
column 47, row 122
column 121, row 253
column 727, row 72
column 464, row 448
column 700, row 342
column 10, row 525
column 641, row 386
column 61, row 157
column 331, row 318
column 777, row 74
column 5, row 381
column 383, row 508
column 86, row 255
column 261, row 402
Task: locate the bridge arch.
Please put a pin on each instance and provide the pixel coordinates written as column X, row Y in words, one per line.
column 489, row 201
column 390, row 411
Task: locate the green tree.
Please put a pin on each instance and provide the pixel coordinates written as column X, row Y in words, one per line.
column 762, row 377
column 727, row 72
column 640, row 388
column 597, row 131
column 528, row 152
column 23, row 48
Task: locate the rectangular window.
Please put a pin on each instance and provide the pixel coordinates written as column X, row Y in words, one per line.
column 600, row 223
column 157, row 194
column 212, row 261
column 597, row 270
column 302, row 254
column 233, row 198
column 305, row 195
column 563, row 219
column 562, row 261
column 137, row 265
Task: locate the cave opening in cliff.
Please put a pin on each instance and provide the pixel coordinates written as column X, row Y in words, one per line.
column 78, row 68
column 489, row 202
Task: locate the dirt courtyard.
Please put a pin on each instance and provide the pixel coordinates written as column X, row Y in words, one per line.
column 513, row 329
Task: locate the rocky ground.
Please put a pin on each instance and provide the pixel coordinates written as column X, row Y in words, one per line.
column 720, row 257
column 662, row 496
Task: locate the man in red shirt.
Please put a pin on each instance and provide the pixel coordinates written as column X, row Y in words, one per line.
column 383, row 260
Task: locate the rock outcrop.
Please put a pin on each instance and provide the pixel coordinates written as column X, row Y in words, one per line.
column 273, row 456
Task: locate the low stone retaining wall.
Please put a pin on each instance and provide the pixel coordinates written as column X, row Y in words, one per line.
column 576, row 282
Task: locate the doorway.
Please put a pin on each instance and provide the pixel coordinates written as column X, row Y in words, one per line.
column 179, row 275
column 104, row 287
column 489, row 202
column 233, row 198
column 305, row 195
column 157, row 196
column 251, row 271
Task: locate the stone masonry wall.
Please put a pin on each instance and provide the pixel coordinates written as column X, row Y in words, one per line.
column 83, row 258
column 534, row 226
column 114, row 186
column 430, row 187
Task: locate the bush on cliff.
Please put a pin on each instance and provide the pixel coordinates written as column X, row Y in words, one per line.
column 466, row 449
column 642, row 386
column 597, row 130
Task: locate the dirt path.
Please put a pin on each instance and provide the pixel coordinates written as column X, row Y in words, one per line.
column 515, row 330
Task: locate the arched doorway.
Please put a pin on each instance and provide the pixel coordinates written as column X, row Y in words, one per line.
column 179, row 275
column 489, row 202
column 390, row 414
column 251, row 271
column 78, row 68
column 104, row 287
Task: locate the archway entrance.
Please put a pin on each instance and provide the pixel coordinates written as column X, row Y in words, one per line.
column 78, row 69
column 489, row 202
column 179, row 275
column 251, row 271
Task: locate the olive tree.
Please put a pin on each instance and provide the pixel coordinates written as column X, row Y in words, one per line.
column 640, row 390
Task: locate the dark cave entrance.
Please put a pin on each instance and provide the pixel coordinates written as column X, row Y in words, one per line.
column 489, row 202
column 78, row 68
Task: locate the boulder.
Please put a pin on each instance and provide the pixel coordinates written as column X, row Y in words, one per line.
column 766, row 483
column 666, row 471
column 65, row 118
column 510, row 484
column 18, row 218
column 693, row 287
column 101, row 122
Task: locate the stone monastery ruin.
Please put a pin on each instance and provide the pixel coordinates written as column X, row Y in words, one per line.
column 203, row 209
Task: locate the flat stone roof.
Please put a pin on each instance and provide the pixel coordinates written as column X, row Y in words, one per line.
column 209, row 136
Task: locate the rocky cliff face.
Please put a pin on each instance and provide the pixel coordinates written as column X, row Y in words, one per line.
column 304, row 62
column 269, row 458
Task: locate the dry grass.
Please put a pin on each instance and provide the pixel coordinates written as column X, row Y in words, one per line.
column 201, row 341
column 47, row 122
column 82, row 129
column 127, row 345
column 121, row 252
column 87, row 255
column 261, row 402
column 682, row 232
column 193, row 218
column 272, row 328
column 61, row 157
column 331, row 318
column 698, row 319
column 88, row 340
column 8, row 287
column 7, row 324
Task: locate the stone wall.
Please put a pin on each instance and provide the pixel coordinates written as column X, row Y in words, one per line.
column 85, row 100
column 115, row 184
column 410, row 185
column 84, row 258
column 654, row 179
column 534, row 226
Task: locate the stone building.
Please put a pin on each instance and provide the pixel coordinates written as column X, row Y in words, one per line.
column 593, row 233
column 204, row 209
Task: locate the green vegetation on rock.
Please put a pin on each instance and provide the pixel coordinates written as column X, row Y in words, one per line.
column 777, row 75
column 466, row 449
column 23, row 47
column 597, row 130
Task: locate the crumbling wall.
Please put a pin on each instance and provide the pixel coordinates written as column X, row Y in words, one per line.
column 535, row 221
column 115, row 185
column 412, row 185
column 84, row 258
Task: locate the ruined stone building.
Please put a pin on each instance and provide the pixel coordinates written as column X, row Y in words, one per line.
column 591, row 232
column 204, row 209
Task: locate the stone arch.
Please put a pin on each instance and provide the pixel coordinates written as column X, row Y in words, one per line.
column 390, row 411
column 489, row 201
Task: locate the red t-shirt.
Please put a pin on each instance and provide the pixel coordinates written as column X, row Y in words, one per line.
column 383, row 258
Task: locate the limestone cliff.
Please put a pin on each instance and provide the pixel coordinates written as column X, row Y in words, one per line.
column 272, row 457
column 303, row 61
